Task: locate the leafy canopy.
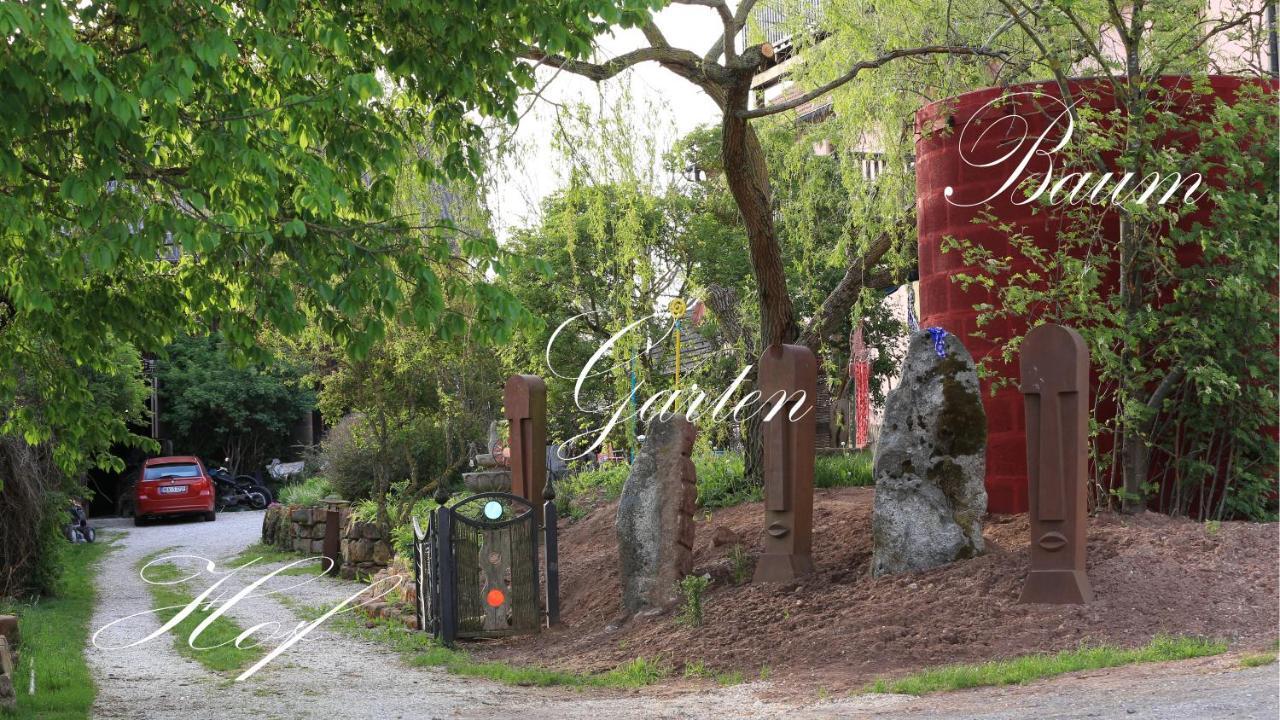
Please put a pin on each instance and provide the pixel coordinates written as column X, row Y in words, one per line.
column 227, row 164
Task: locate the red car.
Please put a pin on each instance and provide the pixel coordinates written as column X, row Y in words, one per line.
column 177, row 485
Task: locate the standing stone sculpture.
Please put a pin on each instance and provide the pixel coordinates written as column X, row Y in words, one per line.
column 930, row 460
column 1055, row 385
column 525, row 401
column 655, row 517
column 790, row 371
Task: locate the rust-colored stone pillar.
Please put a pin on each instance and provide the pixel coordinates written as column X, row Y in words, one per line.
column 1055, row 384
column 790, row 372
column 525, row 402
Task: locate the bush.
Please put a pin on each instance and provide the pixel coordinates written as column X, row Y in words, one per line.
column 307, row 492
column 352, row 457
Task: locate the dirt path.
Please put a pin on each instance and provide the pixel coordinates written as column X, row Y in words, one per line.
column 330, row 675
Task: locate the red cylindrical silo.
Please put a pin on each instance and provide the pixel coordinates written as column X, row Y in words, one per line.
column 991, row 130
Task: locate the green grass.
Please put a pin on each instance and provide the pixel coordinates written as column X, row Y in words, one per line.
column 851, row 469
column 418, row 649
column 1033, row 667
column 1257, row 660
column 221, row 654
column 308, row 492
column 55, row 631
column 270, row 555
column 720, row 481
column 1260, row 659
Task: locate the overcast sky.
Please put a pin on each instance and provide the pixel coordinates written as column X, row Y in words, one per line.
column 518, row 193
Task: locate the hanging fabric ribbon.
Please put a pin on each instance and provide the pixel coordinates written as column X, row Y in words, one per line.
column 677, row 308
column 913, row 324
column 860, row 360
column 939, row 341
column 631, row 421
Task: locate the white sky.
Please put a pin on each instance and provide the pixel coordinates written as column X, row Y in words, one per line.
column 518, row 192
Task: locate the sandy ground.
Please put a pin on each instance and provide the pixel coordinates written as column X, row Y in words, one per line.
column 330, row 675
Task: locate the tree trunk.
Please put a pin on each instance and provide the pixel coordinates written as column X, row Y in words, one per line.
column 748, row 179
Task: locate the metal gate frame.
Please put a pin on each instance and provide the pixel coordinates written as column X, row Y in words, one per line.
column 435, row 557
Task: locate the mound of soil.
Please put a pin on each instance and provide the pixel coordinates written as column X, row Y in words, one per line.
column 1151, row 574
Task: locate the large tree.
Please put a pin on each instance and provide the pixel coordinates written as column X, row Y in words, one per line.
column 169, row 167
column 725, row 73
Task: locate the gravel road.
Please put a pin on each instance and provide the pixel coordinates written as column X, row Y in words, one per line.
column 329, row 675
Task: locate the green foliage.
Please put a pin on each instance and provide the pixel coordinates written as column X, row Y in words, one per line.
column 720, row 480
column 215, row 164
column 308, row 492
column 356, row 461
column 852, row 469
column 1033, row 667
column 214, row 409
column 1184, row 348
column 55, row 631
column 691, row 589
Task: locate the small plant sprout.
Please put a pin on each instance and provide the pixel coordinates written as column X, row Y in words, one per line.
column 739, row 564
column 691, row 589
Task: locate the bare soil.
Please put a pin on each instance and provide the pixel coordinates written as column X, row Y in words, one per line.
column 840, row 628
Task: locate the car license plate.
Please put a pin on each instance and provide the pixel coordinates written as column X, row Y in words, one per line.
column 173, row 489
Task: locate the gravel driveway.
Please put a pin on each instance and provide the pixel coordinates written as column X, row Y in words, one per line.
column 329, row 675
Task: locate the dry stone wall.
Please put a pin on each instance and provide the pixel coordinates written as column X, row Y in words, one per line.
column 299, row 528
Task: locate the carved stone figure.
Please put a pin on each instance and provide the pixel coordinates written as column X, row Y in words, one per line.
column 789, row 371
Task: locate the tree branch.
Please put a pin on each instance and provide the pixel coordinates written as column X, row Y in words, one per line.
column 867, row 65
column 603, row 71
column 842, row 296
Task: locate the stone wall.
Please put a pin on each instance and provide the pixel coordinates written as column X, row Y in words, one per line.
column 301, row 529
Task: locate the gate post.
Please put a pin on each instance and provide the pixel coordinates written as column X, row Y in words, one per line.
column 448, row 578
column 333, row 534
column 788, row 430
column 524, row 400
column 550, row 547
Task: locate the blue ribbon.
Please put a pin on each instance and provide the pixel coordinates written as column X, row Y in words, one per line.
column 939, row 340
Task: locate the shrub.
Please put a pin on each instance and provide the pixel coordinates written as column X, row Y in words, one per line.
column 691, row 589
column 352, row 456
column 307, row 492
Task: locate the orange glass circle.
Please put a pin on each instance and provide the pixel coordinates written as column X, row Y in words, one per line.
column 495, row 597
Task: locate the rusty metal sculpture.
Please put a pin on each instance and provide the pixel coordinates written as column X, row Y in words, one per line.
column 525, row 401
column 1055, row 384
column 788, row 375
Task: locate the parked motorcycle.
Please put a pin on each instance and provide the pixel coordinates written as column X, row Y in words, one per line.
column 79, row 530
column 238, row 492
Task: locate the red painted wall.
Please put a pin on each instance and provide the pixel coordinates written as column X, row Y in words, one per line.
column 942, row 301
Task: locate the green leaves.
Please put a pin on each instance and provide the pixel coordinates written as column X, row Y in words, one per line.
column 172, row 167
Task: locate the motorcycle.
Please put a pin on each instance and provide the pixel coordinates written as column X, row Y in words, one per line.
column 238, row 492
column 79, row 530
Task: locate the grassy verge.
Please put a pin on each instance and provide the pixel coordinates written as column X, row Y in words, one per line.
column 1034, row 667
column 55, row 631
column 1260, row 659
column 269, row 555
column 222, row 655
column 418, row 649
